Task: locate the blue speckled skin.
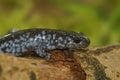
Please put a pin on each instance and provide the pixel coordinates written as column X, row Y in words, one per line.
column 41, row 41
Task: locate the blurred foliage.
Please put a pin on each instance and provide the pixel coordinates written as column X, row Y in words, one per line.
column 98, row 19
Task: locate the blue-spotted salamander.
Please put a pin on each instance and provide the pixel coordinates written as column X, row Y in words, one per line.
column 41, row 41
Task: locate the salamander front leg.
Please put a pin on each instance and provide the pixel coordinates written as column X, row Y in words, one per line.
column 43, row 53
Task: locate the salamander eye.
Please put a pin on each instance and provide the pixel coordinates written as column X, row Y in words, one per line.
column 77, row 41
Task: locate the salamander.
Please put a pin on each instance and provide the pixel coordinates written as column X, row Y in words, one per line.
column 41, row 41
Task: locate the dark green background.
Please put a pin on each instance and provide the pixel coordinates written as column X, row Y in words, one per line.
column 98, row 19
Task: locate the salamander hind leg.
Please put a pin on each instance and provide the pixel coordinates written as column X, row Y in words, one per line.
column 43, row 53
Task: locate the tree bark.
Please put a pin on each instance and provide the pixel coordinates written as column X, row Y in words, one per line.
column 98, row 63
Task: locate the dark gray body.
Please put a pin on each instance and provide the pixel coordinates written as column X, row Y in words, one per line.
column 41, row 41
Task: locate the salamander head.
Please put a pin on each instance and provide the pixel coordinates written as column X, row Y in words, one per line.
column 79, row 41
column 82, row 41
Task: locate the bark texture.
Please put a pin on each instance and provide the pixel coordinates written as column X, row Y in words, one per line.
column 99, row 63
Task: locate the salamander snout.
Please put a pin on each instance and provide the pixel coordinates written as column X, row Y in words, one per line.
column 84, row 42
column 81, row 41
